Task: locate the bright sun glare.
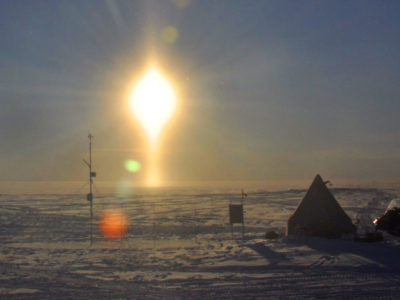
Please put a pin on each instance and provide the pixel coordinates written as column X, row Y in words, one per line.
column 153, row 101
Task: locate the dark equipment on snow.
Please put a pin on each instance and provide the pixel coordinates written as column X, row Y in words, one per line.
column 270, row 235
column 389, row 222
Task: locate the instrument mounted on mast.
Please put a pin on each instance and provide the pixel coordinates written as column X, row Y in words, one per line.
column 89, row 196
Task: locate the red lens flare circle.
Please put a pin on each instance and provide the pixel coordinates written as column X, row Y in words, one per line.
column 113, row 224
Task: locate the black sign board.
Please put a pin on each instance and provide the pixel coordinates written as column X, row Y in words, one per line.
column 236, row 213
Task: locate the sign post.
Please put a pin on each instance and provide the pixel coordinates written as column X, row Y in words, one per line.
column 236, row 214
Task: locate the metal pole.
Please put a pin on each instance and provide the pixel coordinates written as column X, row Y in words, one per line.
column 91, row 188
column 154, row 226
column 89, row 196
column 194, row 223
column 243, row 195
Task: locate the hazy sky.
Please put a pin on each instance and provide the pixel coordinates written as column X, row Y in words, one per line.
column 268, row 90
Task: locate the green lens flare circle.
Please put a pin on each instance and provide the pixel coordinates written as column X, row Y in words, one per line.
column 132, row 166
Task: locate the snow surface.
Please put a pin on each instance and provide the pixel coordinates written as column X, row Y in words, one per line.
column 180, row 245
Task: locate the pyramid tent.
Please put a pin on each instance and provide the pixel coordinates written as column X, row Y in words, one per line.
column 319, row 214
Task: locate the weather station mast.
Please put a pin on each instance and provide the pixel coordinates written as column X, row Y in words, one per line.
column 89, row 197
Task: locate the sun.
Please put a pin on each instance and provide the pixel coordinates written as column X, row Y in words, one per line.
column 153, row 102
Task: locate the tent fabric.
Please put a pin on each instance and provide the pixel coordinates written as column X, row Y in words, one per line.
column 319, row 214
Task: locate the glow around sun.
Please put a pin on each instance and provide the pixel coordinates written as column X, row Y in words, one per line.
column 153, row 102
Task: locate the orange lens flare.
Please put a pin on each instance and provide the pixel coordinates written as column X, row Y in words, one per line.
column 113, row 224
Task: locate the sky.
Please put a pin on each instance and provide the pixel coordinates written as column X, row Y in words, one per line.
column 268, row 91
